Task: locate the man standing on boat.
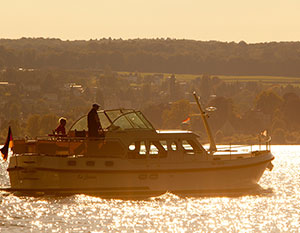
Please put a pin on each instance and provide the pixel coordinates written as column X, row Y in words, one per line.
column 94, row 125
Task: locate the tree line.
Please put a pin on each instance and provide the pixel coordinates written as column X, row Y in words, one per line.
column 32, row 101
column 154, row 55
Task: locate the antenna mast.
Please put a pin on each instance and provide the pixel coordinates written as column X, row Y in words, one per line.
column 212, row 147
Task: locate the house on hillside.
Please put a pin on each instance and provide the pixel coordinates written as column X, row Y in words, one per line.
column 75, row 89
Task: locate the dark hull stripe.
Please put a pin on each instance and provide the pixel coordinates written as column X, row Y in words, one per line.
column 141, row 171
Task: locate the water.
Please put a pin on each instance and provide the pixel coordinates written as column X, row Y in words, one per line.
column 275, row 209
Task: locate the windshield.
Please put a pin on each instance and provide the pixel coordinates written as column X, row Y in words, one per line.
column 129, row 121
column 132, row 120
column 121, row 119
column 114, row 114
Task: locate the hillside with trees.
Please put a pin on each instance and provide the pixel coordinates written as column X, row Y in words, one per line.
column 44, row 79
column 155, row 55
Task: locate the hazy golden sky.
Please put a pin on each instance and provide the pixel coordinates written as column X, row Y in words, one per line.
column 222, row 20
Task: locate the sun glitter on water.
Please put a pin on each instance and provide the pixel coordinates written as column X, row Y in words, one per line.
column 275, row 208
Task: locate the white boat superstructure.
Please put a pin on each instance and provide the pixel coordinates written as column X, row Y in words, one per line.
column 132, row 159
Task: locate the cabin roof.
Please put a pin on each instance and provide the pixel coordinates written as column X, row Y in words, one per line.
column 173, row 131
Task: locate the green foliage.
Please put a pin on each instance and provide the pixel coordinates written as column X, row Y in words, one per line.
column 48, row 123
column 154, row 55
column 278, row 136
column 224, row 111
column 153, row 112
column 268, row 102
column 35, row 98
column 14, row 111
column 291, row 110
column 33, row 125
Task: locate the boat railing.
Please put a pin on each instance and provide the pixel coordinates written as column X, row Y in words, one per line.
column 65, row 146
column 253, row 149
column 57, row 138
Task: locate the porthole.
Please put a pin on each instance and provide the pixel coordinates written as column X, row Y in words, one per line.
column 109, row 163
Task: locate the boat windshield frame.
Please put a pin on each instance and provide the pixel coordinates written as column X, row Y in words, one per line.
column 134, row 119
column 122, row 119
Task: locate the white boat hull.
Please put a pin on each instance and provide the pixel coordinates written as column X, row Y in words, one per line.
column 116, row 177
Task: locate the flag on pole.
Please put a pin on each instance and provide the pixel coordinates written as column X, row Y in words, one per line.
column 264, row 133
column 186, row 121
column 8, row 144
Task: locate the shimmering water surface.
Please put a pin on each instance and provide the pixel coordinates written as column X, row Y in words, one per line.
column 275, row 209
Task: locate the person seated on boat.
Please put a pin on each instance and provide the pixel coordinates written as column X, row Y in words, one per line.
column 94, row 125
column 60, row 129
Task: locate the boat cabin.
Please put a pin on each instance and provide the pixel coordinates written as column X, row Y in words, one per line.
column 127, row 134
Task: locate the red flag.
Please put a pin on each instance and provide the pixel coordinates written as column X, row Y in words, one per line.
column 8, row 144
column 186, row 121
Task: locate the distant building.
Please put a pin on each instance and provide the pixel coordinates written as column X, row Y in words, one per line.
column 6, row 84
column 76, row 89
column 157, row 78
column 131, row 78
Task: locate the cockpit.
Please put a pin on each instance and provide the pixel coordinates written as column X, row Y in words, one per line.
column 118, row 119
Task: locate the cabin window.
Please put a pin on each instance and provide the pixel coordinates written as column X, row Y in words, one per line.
column 142, row 150
column 131, row 147
column 153, row 149
column 188, row 148
column 172, row 146
column 195, row 146
column 137, row 149
column 157, row 149
column 164, row 144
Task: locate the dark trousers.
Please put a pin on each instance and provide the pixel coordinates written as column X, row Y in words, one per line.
column 93, row 133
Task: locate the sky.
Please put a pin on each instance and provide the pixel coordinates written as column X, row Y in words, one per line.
column 252, row 21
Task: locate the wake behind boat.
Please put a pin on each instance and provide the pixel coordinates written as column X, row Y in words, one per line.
column 131, row 159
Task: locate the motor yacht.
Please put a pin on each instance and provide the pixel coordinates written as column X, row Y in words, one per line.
column 131, row 159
